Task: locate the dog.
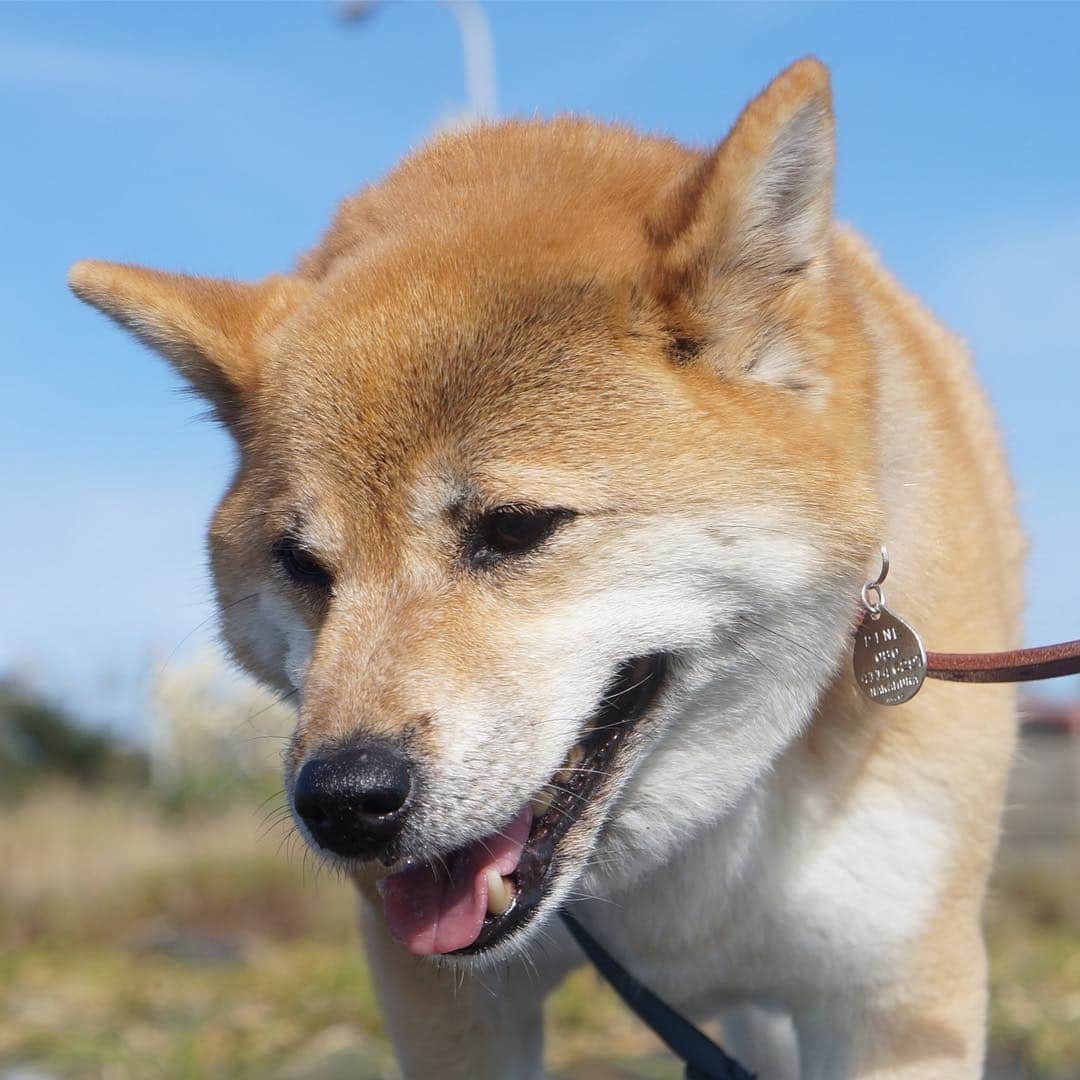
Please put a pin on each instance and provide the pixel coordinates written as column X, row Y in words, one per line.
column 562, row 460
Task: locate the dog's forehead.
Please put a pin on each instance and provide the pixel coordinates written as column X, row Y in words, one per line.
column 491, row 374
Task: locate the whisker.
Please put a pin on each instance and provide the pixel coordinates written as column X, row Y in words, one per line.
column 567, row 791
column 584, row 769
column 209, row 618
column 606, row 727
column 272, row 795
column 786, row 638
column 743, row 647
column 279, row 700
column 608, row 699
column 565, row 813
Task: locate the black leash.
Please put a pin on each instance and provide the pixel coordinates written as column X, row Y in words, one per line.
column 704, row 1059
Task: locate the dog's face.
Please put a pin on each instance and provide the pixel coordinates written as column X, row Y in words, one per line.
column 550, row 504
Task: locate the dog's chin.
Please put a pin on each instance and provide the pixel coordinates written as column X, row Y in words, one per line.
column 571, row 810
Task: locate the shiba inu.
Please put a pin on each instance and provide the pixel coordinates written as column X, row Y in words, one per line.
column 562, row 460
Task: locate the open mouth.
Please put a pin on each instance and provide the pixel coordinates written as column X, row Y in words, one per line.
column 478, row 896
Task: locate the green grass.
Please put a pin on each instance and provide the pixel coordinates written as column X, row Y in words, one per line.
column 145, row 1014
column 1033, row 919
column 139, row 943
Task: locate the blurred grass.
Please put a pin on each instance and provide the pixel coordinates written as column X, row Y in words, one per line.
column 137, row 941
column 1033, row 920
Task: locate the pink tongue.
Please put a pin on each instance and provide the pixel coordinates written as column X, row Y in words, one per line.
column 437, row 908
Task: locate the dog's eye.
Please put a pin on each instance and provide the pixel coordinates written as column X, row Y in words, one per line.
column 513, row 530
column 300, row 564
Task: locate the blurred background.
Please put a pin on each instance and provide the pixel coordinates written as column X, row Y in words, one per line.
column 156, row 918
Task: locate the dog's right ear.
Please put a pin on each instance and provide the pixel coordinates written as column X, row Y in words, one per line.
column 212, row 331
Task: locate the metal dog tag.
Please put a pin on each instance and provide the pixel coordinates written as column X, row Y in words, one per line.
column 889, row 659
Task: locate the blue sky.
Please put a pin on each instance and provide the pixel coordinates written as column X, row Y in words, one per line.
column 216, row 138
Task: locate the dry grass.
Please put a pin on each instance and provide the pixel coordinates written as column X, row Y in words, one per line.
column 139, row 943
column 89, row 869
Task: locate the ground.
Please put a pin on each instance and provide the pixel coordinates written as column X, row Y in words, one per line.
column 142, row 940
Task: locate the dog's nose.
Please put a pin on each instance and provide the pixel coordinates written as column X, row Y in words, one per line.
column 354, row 800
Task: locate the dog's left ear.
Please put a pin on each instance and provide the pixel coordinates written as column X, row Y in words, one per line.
column 751, row 218
column 763, row 198
column 213, row 332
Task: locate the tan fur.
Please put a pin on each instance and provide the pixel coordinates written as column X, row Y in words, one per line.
column 575, row 315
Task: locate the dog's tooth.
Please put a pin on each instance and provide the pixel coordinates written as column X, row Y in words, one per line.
column 500, row 892
column 569, row 766
column 543, row 802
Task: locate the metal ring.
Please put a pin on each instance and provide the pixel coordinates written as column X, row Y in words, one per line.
column 873, row 588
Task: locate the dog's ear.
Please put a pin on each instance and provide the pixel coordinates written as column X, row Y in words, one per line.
column 763, row 198
column 213, row 332
column 752, row 217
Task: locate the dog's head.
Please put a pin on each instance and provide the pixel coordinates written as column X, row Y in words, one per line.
column 552, row 496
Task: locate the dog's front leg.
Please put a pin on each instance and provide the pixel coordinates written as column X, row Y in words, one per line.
column 453, row 1024
column 927, row 1026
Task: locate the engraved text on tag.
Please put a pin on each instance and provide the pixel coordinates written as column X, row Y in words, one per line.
column 890, row 661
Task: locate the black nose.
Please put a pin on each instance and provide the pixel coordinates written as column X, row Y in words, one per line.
column 354, row 800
